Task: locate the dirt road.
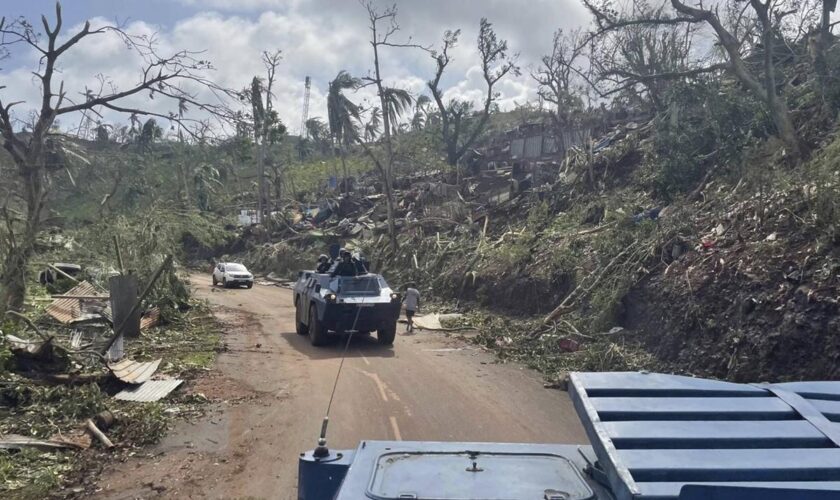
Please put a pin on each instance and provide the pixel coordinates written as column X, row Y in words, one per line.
column 272, row 389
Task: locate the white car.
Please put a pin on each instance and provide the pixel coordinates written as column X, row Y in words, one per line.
column 232, row 274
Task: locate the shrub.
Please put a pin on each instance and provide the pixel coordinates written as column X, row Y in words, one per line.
column 707, row 124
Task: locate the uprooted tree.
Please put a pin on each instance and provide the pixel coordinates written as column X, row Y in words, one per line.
column 35, row 147
column 459, row 127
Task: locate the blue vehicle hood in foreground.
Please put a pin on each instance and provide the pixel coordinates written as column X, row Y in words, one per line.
column 654, row 437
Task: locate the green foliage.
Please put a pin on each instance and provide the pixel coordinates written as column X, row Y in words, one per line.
column 33, row 474
column 311, row 175
column 43, row 411
column 705, row 125
column 146, row 238
column 822, row 192
column 140, row 423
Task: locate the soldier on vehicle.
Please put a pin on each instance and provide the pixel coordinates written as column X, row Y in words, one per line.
column 361, row 265
column 345, row 266
column 412, row 304
column 324, row 264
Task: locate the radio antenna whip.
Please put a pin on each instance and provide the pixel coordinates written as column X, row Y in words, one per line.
column 321, row 451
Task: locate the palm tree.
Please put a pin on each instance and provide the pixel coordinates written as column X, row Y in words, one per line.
column 303, row 148
column 317, row 130
column 398, row 101
column 343, row 115
column 373, row 124
column 421, row 111
column 205, row 179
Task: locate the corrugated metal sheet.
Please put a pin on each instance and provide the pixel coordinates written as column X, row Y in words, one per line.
column 134, row 372
column 149, row 391
column 517, row 148
column 549, row 145
column 655, row 433
column 150, row 318
column 68, row 311
column 533, row 146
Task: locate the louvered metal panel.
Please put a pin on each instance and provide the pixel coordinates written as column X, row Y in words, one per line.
column 654, row 433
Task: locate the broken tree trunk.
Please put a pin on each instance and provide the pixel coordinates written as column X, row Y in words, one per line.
column 59, row 271
column 98, row 434
column 579, row 291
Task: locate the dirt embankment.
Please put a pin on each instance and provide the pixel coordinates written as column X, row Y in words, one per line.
column 754, row 301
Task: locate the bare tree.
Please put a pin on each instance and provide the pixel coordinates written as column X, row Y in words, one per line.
column 265, row 123
column 766, row 16
column 642, row 57
column 764, row 87
column 558, row 78
column 459, row 129
column 383, row 27
column 160, row 76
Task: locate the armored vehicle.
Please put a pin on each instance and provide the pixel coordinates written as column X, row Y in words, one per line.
column 327, row 305
column 653, row 437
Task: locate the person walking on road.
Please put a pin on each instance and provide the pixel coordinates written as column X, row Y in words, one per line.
column 412, row 304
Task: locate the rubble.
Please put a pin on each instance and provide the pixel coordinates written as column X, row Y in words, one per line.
column 18, row 442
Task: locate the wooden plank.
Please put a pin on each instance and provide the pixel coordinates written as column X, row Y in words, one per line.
column 709, row 435
column 814, row 464
column 640, row 384
column 671, row 491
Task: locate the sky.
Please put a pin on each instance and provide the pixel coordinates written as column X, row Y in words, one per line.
column 318, row 38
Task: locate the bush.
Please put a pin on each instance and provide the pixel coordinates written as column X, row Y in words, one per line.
column 707, row 124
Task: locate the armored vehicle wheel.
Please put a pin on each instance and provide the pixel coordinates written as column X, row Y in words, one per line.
column 386, row 335
column 224, row 283
column 215, row 281
column 317, row 334
column 300, row 328
column 249, row 285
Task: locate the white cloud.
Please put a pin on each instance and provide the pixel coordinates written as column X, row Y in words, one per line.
column 318, row 38
column 238, row 5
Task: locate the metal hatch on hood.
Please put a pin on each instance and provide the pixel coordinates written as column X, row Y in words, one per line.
column 466, row 475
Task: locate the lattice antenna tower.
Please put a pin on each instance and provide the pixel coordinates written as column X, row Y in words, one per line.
column 305, row 115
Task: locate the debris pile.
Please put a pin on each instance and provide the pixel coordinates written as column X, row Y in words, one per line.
column 67, row 382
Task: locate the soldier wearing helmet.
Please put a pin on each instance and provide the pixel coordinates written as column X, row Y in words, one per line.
column 324, row 264
column 345, row 266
